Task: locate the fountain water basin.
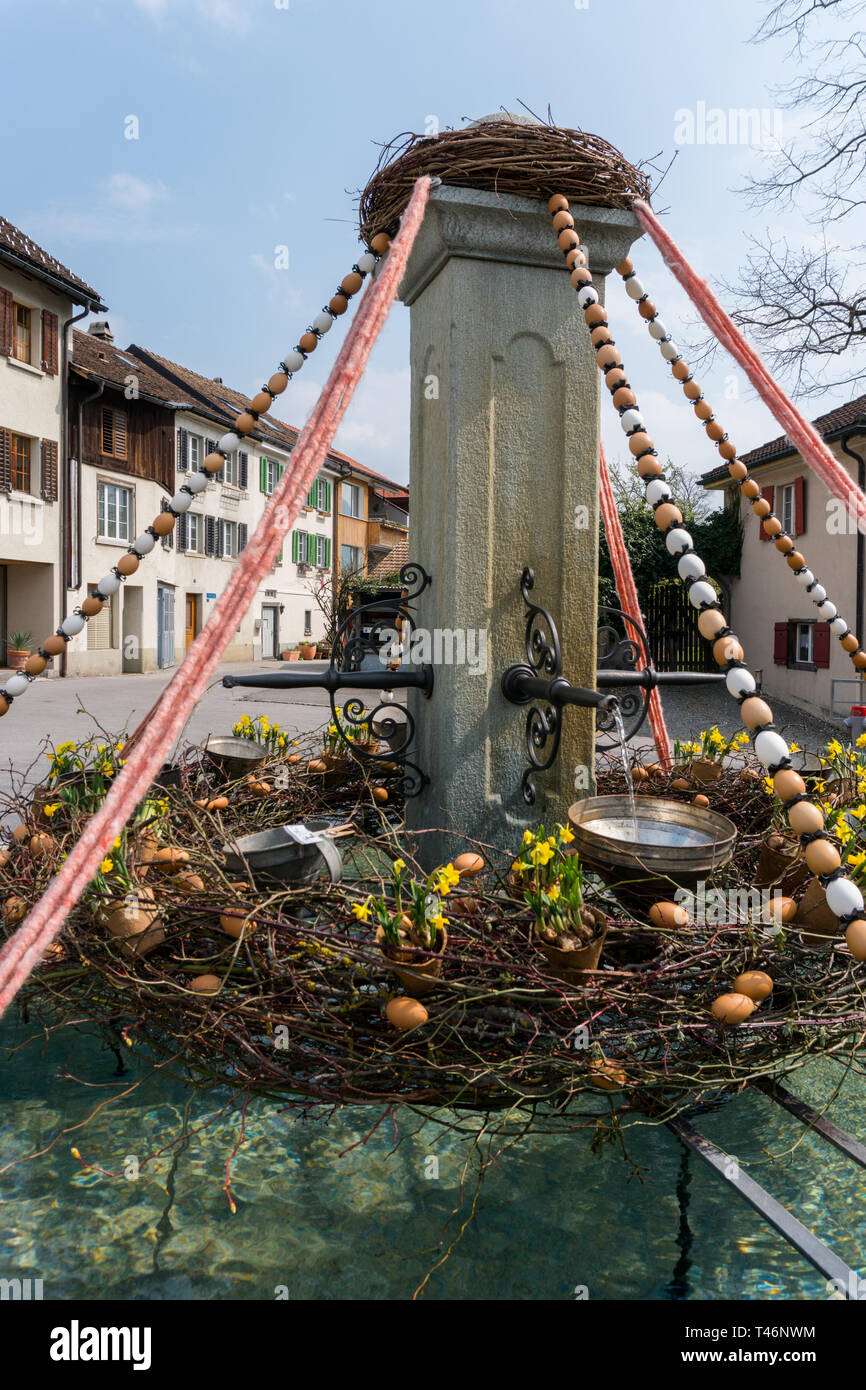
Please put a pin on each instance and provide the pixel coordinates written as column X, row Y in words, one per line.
column 666, row 844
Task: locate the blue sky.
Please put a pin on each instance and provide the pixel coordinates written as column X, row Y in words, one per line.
column 259, row 118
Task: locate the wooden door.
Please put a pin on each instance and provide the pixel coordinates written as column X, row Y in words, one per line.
column 191, row 620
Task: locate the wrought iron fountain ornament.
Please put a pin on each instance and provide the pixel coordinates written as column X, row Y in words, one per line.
column 368, row 631
column 539, row 682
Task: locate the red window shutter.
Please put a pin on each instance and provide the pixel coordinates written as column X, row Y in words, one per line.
column 6, row 319
column 799, row 506
column 780, row 643
column 767, row 493
column 821, row 644
column 49, row 470
column 5, row 461
column 49, row 342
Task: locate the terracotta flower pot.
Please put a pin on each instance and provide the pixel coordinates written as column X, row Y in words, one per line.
column 570, row 966
column 814, row 916
column 16, row 658
column 307, row 651
column 291, row 656
column 424, row 972
column 778, row 857
column 706, row 769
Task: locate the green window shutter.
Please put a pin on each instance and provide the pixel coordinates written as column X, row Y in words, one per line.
column 280, row 556
column 311, row 496
column 294, row 547
column 328, row 500
column 327, row 550
column 263, row 475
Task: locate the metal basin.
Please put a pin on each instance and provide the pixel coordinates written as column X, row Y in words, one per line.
column 673, row 843
column 277, row 856
column 234, row 757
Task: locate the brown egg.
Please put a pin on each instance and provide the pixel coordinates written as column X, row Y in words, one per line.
column 35, row 664
column 710, row 622
column 733, row 1008
column 606, row 1076
column 214, row 463
column 308, row 342
column 738, row 471
column 91, row 606
column 245, row 422
column 205, row 984
column 188, row 883
column 783, row 544
column 727, row 649
column 649, row 466
column 261, row 403
column 14, row 910
column 380, row 795
column 351, row 283
column 625, row 267
column 4, row 706
column 788, row 783
column 822, row 857
column 855, row 935
column 772, row 526
column 639, row 442
column 277, row 383
column 639, row 774
column 170, row 858
column 21, row 833
column 728, row 450
column 666, row 914
column 567, row 239
column 202, row 804
column 54, row 645
column 316, row 765
column 293, row 758
column 557, row 202
column 755, row 984
column 562, row 219
column 805, row 819
column 469, row 865
column 700, row 800
column 680, row 784
column 749, row 774
column 755, row 712
column 405, row 1013
column 691, row 390
column 235, row 924
column 261, row 789
column 42, row 844
column 680, row 370
column 608, row 357
column 338, row 305
column 849, row 644
column 703, row 410
column 164, row 524
column 795, row 560
column 128, row 564
column 5, row 857
column 859, row 661
column 665, row 514
column 780, row 909
column 380, row 243
column 219, row 803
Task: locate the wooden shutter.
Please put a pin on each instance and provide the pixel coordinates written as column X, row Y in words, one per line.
column 210, row 446
column 780, row 643
column 243, row 533
column 327, row 552
column 49, row 470
column 183, row 451
column 263, row 475
column 210, row 535
column 295, row 547
column 799, row 506
column 5, row 460
column 49, row 342
column 181, row 530
column 327, row 496
column 821, row 644
column 243, row 470
column 767, row 493
column 219, row 535
column 7, row 321
column 167, row 541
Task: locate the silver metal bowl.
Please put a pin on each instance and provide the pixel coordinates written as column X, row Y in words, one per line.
column 234, row 757
column 674, row 843
column 276, row 855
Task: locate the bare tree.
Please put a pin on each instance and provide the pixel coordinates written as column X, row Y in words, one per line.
column 806, row 304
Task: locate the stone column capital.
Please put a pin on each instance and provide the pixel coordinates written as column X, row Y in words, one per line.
column 478, row 225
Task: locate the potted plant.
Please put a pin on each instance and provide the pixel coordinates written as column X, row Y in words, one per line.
column 307, row 651
column 704, row 757
column 411, row 929
column 569, row 933
column 290, row 654
column 539, row 861
column 18, row 649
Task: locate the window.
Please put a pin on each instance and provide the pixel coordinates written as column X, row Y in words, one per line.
column 351, row 502
column 351, row 559
column 21, row 463
column 196, row 452
column 803, row 643
column 114, row 433
column 115, row 512
column 786, row 508
column 308, row 621
column 323, row 551
column 271, row 472
column 228, row 543
column 230, row 470
column 22, row 347
column 99, row 629
column 300, row 546
column 194, row 532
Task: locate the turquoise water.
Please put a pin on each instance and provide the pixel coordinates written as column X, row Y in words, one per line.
column 317, row 1221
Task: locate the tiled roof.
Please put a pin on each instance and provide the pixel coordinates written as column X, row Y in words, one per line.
column 393, row 560
column 220, row 402
column 14, row 240
column 97, row 359
column 851, row 415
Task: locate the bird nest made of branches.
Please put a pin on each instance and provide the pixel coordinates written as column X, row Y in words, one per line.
column 503, row 156
column 297, row 1001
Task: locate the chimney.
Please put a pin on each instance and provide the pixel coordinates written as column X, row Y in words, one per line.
column 218, row 380
column 100, row 329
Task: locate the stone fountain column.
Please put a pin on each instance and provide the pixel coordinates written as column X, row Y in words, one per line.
column 504, row 473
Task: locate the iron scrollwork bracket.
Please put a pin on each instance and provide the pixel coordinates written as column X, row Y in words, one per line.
column 543, row 658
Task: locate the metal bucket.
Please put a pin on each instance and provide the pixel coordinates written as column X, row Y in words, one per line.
column 234, row 757
column 277, row 856
column 676, row 844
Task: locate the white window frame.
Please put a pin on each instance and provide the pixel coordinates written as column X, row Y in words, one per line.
column 229, row 473
column 351, row 490
column 102, row 512
column 807, row 631
column 788, row 509
column 352, row 568
column 322, row 495
column 196, row 452
column 228, row 529
column 272, row 474
column 198, row 519
column 321, row 551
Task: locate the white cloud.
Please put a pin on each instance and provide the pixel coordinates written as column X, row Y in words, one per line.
column 127, row 191
column 232, row 16
column 118, row 211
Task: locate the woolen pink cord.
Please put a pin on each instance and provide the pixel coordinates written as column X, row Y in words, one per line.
column 799, row 431
column 628, row 597
column 155, row 737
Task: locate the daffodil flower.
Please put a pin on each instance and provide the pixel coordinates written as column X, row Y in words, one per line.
column 361, row 911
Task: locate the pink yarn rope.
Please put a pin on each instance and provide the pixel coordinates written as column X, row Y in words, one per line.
column 23, row 951
column 628, row 597
column 801, row 433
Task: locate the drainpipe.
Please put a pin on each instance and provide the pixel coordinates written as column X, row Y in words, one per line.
column 63, row 466
column 861, row 480
column 82, row 402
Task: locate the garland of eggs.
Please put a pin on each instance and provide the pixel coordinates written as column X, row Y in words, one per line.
column 805, row 818
column 738, row 470
column 211, row 466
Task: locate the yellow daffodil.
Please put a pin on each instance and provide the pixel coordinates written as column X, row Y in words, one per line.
column 518, row 867
column 398, row 866
column 565, row 835
column 361, row 911
column 106, row 866
column 553, row 892
column 857, row 860
column 528, row 837
column 541, row 854
column 51, row 810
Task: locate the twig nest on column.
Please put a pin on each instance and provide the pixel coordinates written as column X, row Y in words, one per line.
column 733, row 1008
column 855, row 936
column 754, row 984
column 405, row 1014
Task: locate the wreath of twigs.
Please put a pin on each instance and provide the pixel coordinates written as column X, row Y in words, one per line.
column 504, row 157
column 300, row 1010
